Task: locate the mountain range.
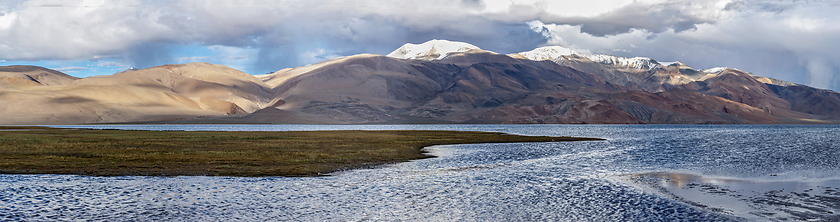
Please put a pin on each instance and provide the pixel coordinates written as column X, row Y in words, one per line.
column 435, row 82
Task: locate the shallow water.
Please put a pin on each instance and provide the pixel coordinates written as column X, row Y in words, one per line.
column 565, row 181
column 757, row 200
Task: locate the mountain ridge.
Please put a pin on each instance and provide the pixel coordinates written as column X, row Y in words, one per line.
column 434, row 82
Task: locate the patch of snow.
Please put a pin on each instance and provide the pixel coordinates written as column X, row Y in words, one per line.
column 558, row 53
column 668, row 63
column 132, row 69
column 547, row 53
column 638, row 63
column 715, row 70
column 431, row 50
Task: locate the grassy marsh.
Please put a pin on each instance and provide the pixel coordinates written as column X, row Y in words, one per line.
column 40, row 150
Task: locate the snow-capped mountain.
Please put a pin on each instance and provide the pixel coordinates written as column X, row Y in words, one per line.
column 715, row 70
column 555, row 53
column 637, row 63
column 546, row 53
column 674, row 63
column 431, row 50
column 435, row 82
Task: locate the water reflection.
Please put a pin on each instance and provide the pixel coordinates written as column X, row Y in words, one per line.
column 760, row 200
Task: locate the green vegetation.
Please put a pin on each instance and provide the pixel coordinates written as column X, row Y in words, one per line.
column 40, row 150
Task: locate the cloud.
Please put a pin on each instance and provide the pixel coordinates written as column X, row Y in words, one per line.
column 146, row 33
column 793, row 42
column 654, row 17
column 786, row 39
column 111, row 64
column 149, row 54
column 317, row 55
column 71, row 69
column 192, row 59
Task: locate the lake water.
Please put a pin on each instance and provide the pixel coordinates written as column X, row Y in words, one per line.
column 640, row 173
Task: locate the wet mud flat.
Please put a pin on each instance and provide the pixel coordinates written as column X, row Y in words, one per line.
column 781, row 200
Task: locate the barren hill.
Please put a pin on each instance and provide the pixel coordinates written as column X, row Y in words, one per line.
column 11, row 76
column 435, row 82
column 159, row 93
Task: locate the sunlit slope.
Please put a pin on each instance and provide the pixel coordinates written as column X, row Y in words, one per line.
column 159, row 93
column 20, row 75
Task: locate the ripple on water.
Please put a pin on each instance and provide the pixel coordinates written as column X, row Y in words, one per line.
column 576, row 181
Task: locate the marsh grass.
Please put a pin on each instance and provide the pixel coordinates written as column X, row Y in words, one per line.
column 40, row 150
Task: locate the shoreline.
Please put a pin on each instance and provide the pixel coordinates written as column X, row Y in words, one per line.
column 44, row 150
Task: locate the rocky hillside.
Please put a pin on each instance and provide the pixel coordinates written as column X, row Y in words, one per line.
column 434, row 82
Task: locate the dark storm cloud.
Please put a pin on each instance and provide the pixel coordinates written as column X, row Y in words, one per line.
column 475, row 4
column 150, row 54
column 679, row 16
column 788, row 40
column 285, row 33
column 381, row 35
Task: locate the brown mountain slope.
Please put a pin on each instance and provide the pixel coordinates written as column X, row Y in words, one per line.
column 822, row 103
column 460, row 88
column 651, row 77
column 207, row 84
column 20, row 75
column 741, row 87
column 473, row 86
column 493, row 88
column 360, row 89
column 731, row 84
column 96, row 104
column 480, row 87
column 158, row 93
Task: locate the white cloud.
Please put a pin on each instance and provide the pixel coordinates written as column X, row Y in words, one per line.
column 793, row 42
column 6, row 20
column 785, row 39
column 192, row 59
column 235, row 57
column 232, row 53
column 110, row 64
column 70, row 69
column 79, row 29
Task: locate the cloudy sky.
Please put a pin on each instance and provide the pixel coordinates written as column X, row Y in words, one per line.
column 797, row 41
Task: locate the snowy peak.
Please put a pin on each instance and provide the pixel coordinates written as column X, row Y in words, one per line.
column 555, row 53
column 679, row 65
column 637, row 63
column 715, row 70
column 547, row 53
column 431, row 50
column 676, row 64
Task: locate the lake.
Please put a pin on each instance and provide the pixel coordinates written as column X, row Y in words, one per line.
column 640, row 173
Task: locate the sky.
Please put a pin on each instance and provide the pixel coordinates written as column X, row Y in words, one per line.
column 792, row 40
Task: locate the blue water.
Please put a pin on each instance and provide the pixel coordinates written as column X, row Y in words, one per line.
column 564, row 181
